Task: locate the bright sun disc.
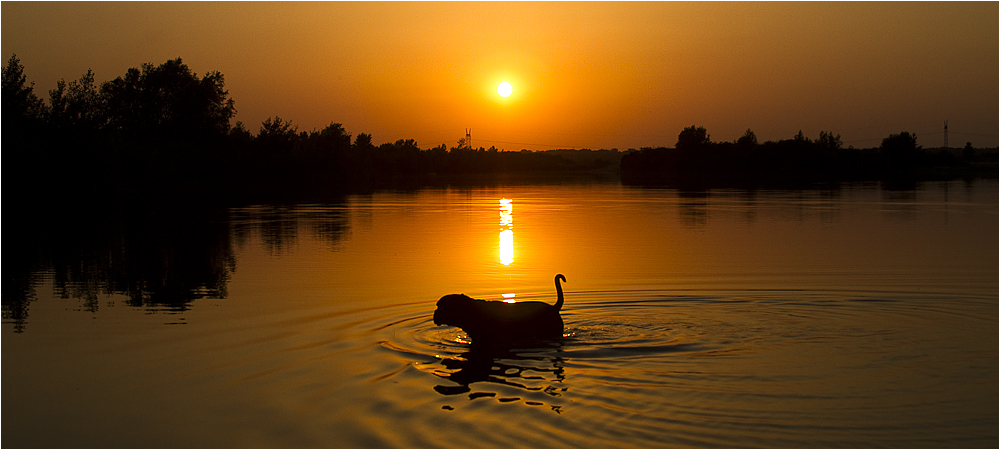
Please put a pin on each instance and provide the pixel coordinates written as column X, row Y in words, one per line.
column 504, row 89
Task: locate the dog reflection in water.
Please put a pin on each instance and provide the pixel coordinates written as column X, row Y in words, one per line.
column 502, row 322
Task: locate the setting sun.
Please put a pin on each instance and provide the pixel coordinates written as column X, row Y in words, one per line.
column 505, row 89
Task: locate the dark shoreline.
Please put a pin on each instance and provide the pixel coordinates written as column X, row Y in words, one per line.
column 163, row 135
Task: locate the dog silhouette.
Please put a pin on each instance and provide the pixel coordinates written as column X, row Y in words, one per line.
column 499, row 322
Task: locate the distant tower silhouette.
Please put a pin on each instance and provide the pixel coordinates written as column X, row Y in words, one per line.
column 946, row 134
column 468, row 137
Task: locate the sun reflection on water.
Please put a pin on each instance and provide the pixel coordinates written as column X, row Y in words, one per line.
column 506, row 231
column 507, row 239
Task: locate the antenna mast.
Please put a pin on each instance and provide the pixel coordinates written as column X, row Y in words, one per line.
column 946, row 134
column 468, row 137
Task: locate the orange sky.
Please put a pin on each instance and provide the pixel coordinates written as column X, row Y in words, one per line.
column 597, row 75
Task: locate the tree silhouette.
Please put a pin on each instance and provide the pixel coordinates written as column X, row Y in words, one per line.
column 828, row 141
column 692, row 138
column 277, row 134
column 162, row 130
column 22, row 109
column 748, row 140
column 363, row 141
column 968, row 152
column 168, row 104
column 900, row 149
column 240, row 134
column 333, row 137
column 902, row 142
column 76, row 109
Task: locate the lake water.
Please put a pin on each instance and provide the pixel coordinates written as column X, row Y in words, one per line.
column 856, row 315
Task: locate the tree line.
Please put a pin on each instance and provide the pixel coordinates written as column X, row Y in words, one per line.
column 165, row 128
column 697, row 160
column 162, row 128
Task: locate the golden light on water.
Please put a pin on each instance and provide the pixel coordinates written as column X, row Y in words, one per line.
column 506, row 231
column 506, row 213
column 506, row 247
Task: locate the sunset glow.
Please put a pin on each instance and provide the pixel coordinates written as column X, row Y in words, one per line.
column 291, row 224
column 420, row 71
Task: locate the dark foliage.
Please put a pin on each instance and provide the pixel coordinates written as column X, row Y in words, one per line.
column 165, row 130
column 692, row 139
column 696, row 162
column 23, row 111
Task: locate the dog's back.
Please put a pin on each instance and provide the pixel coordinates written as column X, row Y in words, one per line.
column 501, row 321
column 493, row 320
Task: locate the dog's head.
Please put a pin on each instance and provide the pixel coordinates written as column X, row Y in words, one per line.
column 454, row 310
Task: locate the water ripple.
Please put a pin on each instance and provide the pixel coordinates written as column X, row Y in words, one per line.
column 705, row 369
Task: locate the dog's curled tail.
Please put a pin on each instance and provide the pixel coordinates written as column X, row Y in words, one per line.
column 559, row 294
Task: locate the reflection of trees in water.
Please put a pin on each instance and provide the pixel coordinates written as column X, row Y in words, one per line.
column 278, row 226
column 899, row 200
column 822, row 202
column 828, row 202
column 693, row 207
column 15, row 306
column 163, row 259
column 539, row 376
column 156, row 258
column 746, row 206
column 275, row 226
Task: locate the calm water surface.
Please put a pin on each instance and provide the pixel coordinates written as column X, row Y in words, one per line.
column 857, row 316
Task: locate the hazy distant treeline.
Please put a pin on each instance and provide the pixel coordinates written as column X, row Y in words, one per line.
column 165, row 129
column 696, row 160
